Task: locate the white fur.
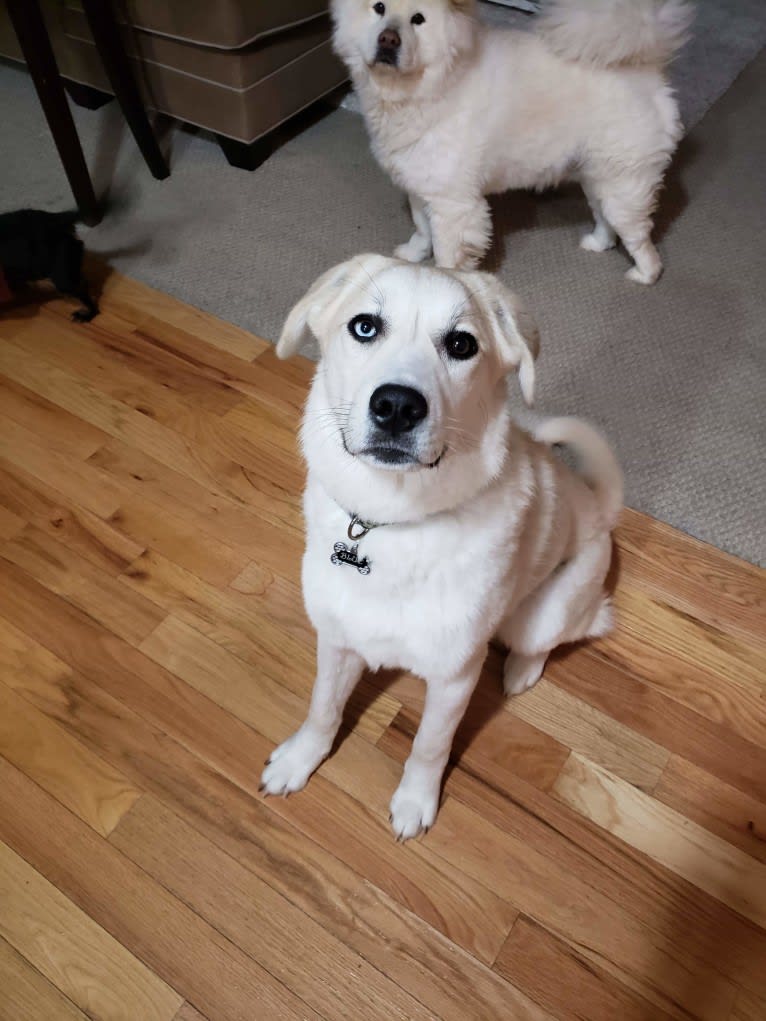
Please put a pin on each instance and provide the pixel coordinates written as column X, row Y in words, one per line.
column 471, row 110
column 499, row 539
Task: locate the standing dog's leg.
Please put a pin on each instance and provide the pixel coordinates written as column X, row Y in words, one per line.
column 416, row 799
column 418, row 247
column 627, row 204
column 293, row 762
column 461, row 231
column 602, row 237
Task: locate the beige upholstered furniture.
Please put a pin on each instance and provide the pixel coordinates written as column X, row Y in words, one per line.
column 239, row 68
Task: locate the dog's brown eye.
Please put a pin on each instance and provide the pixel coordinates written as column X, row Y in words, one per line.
column 379, row 9
column 417, row 19
column 460, row 345
column 364, row 328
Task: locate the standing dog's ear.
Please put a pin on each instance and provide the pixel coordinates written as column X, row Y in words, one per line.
column 511, row 326
column 308, row 317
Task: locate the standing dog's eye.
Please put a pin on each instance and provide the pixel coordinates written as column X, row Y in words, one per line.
column 417, row 19
column 364, row 327
column 379, row 9
column 460, row 345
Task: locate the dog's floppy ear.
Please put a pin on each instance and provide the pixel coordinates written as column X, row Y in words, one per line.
column 307, row 317
column 512, row 327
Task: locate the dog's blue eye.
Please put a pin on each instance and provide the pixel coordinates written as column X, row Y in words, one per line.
column 364, row 327
column 379, row 9
column 417, row 19
column 460, row 345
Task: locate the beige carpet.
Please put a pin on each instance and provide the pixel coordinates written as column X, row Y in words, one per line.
column 674, row 373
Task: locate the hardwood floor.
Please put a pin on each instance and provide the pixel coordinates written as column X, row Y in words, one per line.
column 601, row 848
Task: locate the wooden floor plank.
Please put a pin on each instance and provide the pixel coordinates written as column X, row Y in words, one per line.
column 29, row 996
column 748, row 1008
column 78, row 481
column 719, row 677
column 585, row 729
column 670, row 838
column 684, row 917
column 553, row 974
column 188, row 1013
column 578, row 913
column 212, row 971
column 735, row 817
column 95, row 791
column 10, row 524
column 89, row 966
column 327, row 975
column 680, row 571
column 56, row 428
column 145, row 524
column 365, row 918
column 123, row 611
column 274, row 544
column 79, row 529
column 625, row 697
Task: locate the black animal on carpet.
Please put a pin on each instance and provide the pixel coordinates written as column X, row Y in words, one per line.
column 35, row 245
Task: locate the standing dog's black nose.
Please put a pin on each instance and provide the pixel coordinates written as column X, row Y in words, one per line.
column 397, row 409
column 389, row 39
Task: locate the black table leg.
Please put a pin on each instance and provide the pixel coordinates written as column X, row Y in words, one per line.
column 32, row 34
column 106, row 35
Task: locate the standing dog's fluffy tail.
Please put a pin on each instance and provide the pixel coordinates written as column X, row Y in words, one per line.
column 596, row 461
column 610, row 32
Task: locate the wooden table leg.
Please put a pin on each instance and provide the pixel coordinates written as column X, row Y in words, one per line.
column 32, row 34
column 106, row 35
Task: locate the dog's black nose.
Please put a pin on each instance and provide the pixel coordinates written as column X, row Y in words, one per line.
column 397, row 409
column 389, row 39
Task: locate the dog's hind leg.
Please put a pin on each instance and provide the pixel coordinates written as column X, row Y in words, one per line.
column 602, row 237
column 462, row 230
column 569, row 605
column 419, row 246
column 627, row 203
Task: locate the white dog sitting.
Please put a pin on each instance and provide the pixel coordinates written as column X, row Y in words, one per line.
column 433, row 522
column 457, row 111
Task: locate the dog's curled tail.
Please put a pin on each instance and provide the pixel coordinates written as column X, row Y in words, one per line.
column 606, row 33
column 595, row 460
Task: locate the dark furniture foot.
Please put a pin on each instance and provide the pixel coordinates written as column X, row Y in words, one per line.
column 246, row 155
column 106, row 35
column 87, row 96
column 35, row 45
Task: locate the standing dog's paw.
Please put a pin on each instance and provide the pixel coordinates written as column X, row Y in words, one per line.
column 412, row 811
column 416, row 249
column 522, row 672
column 597, row 242
column 640, row 276
column 292, row 763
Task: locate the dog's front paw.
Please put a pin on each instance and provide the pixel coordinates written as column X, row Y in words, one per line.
column 413, row 811
column 292, row 763
column 416, row 249
column 597, row 242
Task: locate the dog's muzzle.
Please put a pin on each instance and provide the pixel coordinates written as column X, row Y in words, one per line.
column 389, row 43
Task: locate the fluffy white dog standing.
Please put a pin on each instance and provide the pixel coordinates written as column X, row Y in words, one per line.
column 457, row 111
column 433, row 522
